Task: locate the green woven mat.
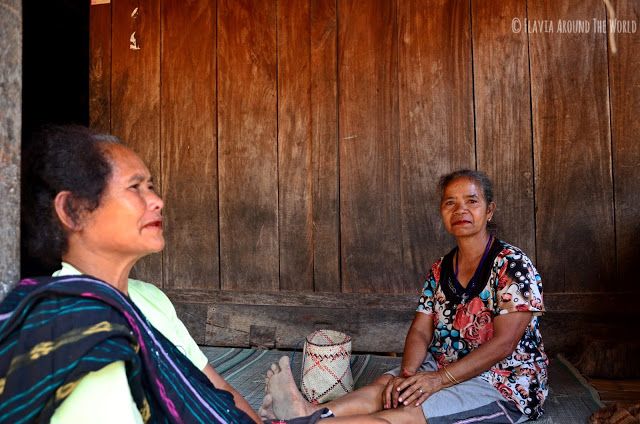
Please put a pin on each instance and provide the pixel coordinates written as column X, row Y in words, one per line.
column 571, row 399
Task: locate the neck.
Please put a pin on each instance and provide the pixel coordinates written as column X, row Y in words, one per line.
column 109, row 268
column 472, row 248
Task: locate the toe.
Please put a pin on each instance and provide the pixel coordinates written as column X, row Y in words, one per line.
column 284, row 362
column 267, row 401
column 266, row 414
column 266, row 410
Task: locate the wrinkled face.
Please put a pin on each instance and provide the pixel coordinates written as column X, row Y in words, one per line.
column 464, row 209
column 128, row 221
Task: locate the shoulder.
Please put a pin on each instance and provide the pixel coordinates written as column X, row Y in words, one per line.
column 437, row 264
column 140, row 286
column 158, row 309
column 509, row 250
column 513, row 264
column 511, row 254
column 60, row 298
column 436, row 270
column 148, row 293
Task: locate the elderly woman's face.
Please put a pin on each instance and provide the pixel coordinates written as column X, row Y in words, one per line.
column 464, row 209
column 128, row 220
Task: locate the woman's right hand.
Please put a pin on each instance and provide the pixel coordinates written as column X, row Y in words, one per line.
column 415, row 351
column 390, row 393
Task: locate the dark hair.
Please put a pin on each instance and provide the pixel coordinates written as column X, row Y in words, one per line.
column 478, row 177
column 61, row 158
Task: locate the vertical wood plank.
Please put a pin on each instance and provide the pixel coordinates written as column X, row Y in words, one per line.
column 369, row 156
column 135, row 94
column 503, row 116
column 624, row 73
column 294, row 146
column 572, row 150
column 436, row 121
column 189, row 148
column 11, row 59
column 248, row 181
column 324, row 135
column 100, row 67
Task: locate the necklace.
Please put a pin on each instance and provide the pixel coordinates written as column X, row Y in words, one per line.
column 475, row 274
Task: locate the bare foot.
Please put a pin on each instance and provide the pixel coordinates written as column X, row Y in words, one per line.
column 286, row 401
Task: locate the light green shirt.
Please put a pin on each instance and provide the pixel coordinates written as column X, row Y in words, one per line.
column 103, row 396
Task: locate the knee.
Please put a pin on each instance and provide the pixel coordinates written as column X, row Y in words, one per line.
column 382, row 380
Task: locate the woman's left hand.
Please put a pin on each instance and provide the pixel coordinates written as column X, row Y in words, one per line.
column 416, row 389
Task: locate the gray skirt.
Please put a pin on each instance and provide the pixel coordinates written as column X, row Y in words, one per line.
column 474, row 400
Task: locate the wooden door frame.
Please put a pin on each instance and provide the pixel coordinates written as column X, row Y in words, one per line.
column 10, row 141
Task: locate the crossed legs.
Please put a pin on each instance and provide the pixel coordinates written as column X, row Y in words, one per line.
column 284, row 401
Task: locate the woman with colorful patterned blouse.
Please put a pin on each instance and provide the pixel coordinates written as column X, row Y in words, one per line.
column 479, row 309
column 474, row 352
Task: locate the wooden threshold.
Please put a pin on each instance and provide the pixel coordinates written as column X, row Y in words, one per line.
column 623, row 392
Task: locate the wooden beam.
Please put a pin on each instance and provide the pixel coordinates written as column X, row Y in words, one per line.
column 378, row 323
column 10, row 141
column 373, row 330
column 593, row 302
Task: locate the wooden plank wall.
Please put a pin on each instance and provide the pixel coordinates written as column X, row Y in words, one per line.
column 297, row 145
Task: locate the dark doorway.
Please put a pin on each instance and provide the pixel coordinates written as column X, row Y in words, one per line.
column 55, row 72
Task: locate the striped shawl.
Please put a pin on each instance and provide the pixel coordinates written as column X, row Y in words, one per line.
column 55, row 330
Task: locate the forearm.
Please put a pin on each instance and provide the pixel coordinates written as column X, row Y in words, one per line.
column 476, row 362
column 415, row 350
column 242, row 404
column 416, row 344
column 416, row 389
column 509, row 329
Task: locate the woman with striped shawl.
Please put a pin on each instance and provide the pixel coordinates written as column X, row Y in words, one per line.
column 90, row 344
